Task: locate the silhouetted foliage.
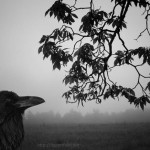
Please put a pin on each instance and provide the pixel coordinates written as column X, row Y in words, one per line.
column 88, row 77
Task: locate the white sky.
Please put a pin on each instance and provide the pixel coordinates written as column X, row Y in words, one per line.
column 22, row 70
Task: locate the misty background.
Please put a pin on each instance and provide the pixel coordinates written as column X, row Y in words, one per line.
column 96, row 117
column 23, row 70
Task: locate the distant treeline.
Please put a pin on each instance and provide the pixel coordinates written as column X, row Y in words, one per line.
column 129, row 116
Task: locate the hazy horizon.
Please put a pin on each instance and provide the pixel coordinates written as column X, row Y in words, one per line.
column 95, row 117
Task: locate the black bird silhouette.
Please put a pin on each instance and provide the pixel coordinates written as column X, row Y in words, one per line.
column 12, row 108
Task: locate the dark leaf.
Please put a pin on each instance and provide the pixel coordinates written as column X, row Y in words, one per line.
column 107, row 93
column 70, row 58
column 40, row 49
column 67, row 94
column 109, row 14
column 55, row 35
column 148, row 86
column 131, row 91
column 76, row 53
column 144, row 59
column 117, row 61
column 135, row 52
column 51, row 13
column 44, row 37
column 81, row 27
column 115, row 23
column 147, row 100
column 47, row 12
column 124, row 25
column 95, row 40
column 105, row 14
column 142, row 105
column 129, row 58
column 56, row 65
column 135, row 2
column 131, row 99
column 119, row 53
column 74, row 15
column 125, row 93
column 148, row 59
column 68, row 80
column 64, row 34
column 110, row 21
column 71, row 37
column 58, row 18
column 141, row 53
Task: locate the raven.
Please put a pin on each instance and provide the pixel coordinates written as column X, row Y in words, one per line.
column 12, row 108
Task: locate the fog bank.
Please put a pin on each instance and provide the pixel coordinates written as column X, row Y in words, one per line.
column 129, row 116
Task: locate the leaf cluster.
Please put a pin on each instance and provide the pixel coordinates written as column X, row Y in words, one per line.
column 62, row 12
column 57, row 54
column 123, row 57
column 142, row 52
column 92, row 19
column 128, row 93
column 115, row 22
column 61, row 35
column 76, row 73
column 84, row 53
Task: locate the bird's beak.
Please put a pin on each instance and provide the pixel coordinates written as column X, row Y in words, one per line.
column 28, row 101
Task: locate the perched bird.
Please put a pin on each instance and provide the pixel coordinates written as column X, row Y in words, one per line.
column 12, row 108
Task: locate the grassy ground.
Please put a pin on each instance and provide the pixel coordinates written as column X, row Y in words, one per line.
column 87, row 137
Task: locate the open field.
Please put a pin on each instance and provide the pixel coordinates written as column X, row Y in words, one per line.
column 87, row 137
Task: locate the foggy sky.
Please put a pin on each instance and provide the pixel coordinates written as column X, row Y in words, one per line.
column 22, row 70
